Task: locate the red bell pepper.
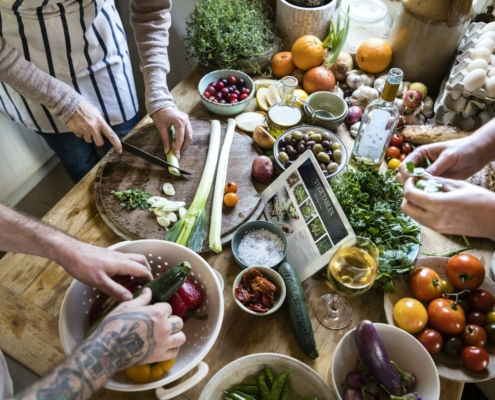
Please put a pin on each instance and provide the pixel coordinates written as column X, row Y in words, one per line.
column 187, row 300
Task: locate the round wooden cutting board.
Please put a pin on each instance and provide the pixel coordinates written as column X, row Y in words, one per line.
column 126, row 171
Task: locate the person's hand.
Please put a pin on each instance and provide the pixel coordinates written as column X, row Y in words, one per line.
column 164, row 118
column 459, row 208
column 95, row 266
column 88, row 123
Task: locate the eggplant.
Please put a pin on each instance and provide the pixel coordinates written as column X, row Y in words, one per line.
column 354, row 380
column 375, row 358
column 352, row 394
column 407, row 379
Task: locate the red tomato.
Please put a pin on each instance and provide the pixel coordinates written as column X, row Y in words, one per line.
column 481, row 300
column 422, row 284
column 393, row 152
column 465, row 267
column 401, row 122
column 475, row 358
column 473, row 335
column 445, row 317
column 476, row 318
column 406, row 148
column 402, row 157
column 396, row 140
column 431, row 340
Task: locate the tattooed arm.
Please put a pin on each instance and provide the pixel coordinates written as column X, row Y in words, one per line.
column 134, row 333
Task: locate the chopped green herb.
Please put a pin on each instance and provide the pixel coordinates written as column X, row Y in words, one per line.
column 132, row 198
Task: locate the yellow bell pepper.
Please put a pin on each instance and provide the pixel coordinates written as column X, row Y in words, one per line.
column 150, row 372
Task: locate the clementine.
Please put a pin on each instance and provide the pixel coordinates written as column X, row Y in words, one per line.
column 307, row 52
column 374, row 55
column 318, row 79
column 282, row 64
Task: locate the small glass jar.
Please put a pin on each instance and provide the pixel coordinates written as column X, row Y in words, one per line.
column 368, row 19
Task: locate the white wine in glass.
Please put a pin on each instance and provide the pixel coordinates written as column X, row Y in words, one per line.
column 350, row 272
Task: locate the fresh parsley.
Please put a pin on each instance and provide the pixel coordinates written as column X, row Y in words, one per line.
column 132, row 198
column 371, row 202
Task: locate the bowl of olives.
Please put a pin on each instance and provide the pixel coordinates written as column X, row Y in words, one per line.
column 327, row 147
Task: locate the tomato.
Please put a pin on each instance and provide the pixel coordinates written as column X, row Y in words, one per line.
column 490, row 333
column 465, row 306
column 401, row 122
column 447, row 286
column 393, row 152
column 452, row 346
column 481, row 300
column 406, row 148
column 422, row 284
column 476, row 318
column 230, row 187
column 446, row 317
column 465, row 267
column 475, row 358
column 396, row 140
column 490, row 317
column 410, row 315
column 431, row 340
column 402, row 157
column 394, row 163
column 230, row 199
column 473, row 335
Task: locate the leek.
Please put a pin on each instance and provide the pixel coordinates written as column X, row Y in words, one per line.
column 171, row 158
column 189, row 231
column 216, row 209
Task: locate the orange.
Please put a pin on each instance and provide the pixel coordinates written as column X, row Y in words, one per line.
column 318, row 79
column 307, row 52
column 374, row 55
column 282, row 64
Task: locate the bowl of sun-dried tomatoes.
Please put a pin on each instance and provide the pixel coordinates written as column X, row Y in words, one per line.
column 259, row 290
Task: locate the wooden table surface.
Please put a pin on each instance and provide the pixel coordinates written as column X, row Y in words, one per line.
column 32, row 290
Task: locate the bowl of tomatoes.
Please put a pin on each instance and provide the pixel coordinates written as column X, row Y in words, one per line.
column 448, row 304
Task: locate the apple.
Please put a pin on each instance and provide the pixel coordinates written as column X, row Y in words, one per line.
column 412, row 99
column 420, row 87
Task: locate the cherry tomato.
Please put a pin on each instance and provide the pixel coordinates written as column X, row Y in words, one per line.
column 473, row 335
column 406, row 148
column 422, row 284
column 490, row 317
column 393, row 152
column 452, row 346
column 402, row 121
column 410, row 315
column 465, row 305
column 490, row 332
column 481, row 300
column 476, row 318
column 475, row 358
column 445, row 317
column 431, row 340
column 402, row 157
column 230, row 199
column 394, row 163
column 396, row 140
column 230, row 187
column 465, row 267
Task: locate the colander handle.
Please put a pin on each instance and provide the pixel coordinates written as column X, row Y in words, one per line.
column 164, row 394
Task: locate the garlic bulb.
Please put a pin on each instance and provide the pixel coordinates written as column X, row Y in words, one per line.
column 427, row 110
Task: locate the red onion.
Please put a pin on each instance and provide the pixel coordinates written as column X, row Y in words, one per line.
column 354, row 115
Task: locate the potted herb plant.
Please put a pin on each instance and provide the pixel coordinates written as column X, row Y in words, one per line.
column 232, row 34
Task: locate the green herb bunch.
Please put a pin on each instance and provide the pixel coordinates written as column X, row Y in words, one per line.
column 220, row 32
column 132, row 198
column 371, row 201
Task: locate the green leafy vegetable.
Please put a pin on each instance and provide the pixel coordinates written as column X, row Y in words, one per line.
column 371, row 202
column 132, row 198
column 317, row 227
column 336, row 38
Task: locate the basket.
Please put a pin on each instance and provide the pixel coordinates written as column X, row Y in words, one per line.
column 200, row 335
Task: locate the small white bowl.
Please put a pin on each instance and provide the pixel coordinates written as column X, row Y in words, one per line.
column 274, row 277
column 401, row 347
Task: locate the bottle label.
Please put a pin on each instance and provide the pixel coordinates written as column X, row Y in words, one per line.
column 374, row 135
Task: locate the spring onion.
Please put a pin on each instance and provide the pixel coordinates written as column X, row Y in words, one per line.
column 216, row 209
column 168, row 189
column 189, row 231
column 171, row 158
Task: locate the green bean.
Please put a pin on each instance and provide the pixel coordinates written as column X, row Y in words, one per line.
column 308, row 398
column 250, row 380
column 278, row 385
column 286, row 390
column 248, row 389
column 270, row 375
column 263, row 389
column 236, row 395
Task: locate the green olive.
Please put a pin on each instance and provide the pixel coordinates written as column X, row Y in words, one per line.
column 323, row 157
column 336, row 146
column 287, row 138
column 297, row 135
column 317, row 148
column 332, row 167
column 283, row 157
column 316, row 137
column 309, row 133
column 325, row 135
column 337, row 155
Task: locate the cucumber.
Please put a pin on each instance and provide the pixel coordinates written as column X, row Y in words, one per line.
column 162, row 288
column 297, row 311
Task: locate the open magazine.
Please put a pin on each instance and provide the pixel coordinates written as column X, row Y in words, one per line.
column 301, row 202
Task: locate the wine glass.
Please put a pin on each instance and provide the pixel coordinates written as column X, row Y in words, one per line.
column 351, row 271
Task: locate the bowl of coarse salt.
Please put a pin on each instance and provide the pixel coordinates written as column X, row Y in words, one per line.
column 259, row 243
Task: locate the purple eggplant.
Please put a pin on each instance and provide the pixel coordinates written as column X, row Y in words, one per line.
column 375, row 358
column 407, row 379
column 354, row 380
column 352, row 394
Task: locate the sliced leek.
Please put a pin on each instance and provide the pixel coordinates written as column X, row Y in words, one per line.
column 216, row 209
column 189, row 231
column 171, row 158
column 168, row 189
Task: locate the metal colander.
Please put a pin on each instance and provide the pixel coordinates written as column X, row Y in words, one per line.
column 200, row 335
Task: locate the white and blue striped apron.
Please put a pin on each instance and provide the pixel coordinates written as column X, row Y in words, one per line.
column 80, row 42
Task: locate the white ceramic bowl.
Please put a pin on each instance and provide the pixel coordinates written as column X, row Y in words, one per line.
column 305, row 381
column 73, row 322
column 401, row 347
column 274, row 277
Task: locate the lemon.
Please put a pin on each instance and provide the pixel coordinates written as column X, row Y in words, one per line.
column 260, row 83
column 261, row 99
column 274, row 94
column 300, row 94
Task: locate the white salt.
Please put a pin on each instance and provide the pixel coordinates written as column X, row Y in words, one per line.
column 261, row 247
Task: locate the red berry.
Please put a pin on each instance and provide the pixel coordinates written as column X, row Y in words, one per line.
column 243, row 96
column 233, row 96
column 218, row 96
column 238, row 93
column 225, row 91
column 219, row 85
column 206, row 94
column 232, row 79
column 246, row 91
column 214, row 100
column 211, row 90
column 233, row 101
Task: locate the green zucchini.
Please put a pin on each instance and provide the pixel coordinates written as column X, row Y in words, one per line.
column 162, row 288
column 297, row 311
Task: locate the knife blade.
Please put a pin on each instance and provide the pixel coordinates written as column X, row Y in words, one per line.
column 149, row 157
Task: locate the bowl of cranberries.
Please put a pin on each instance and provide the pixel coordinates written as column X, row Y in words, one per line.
column 226, row 92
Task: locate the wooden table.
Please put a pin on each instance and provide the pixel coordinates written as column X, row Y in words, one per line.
column 32, row 289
